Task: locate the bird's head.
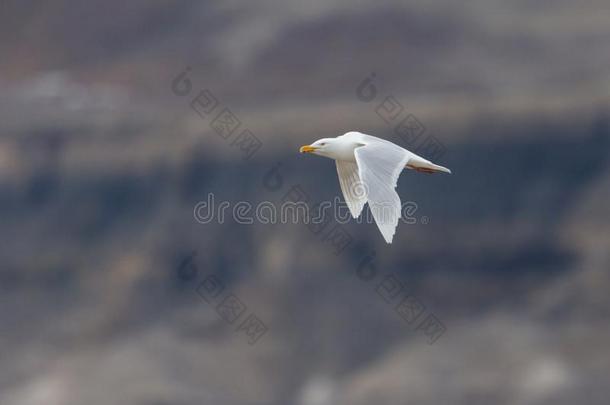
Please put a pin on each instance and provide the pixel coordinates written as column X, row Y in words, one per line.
column 323, row 147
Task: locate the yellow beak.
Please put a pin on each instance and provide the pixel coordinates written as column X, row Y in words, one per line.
column 307, row 149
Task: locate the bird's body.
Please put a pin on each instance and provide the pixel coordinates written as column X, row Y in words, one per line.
column 368, row 169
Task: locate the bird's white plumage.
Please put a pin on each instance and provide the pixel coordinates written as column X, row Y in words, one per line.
column 379, row 165
column 368, row 170
column 354, row 191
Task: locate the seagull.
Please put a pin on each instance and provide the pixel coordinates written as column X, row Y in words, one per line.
column 368, row 169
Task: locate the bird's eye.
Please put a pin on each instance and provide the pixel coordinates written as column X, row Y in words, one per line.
column 322, row 144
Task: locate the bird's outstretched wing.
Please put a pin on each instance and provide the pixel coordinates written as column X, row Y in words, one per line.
column 379, row 165
column 353, row 189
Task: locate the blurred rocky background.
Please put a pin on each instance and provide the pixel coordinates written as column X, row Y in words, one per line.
column 102, row 162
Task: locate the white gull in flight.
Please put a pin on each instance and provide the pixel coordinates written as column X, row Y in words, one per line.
column 368, row 169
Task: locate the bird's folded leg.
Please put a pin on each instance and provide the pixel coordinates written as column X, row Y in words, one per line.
column 422, row 169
